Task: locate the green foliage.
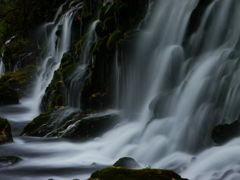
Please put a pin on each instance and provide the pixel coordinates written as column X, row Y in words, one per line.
column 5, row 131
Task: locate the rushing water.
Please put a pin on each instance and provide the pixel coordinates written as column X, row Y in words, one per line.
column 58, row 43
column 77, row 78
column 2, row 68
column 172, row 98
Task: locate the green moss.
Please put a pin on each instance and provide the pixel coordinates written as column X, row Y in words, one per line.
column 114, row 173
column 21, row 80
column 54, row 93
column 113, row 39
column 5, row 131
column 37, row 127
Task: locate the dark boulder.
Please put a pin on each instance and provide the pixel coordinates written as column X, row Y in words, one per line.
column 225, row 132
column 91, row 127
column 5, row 131
column 126, row 162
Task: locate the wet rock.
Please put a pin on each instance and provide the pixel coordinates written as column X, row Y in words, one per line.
column 47, row 122
column 91, row 127
column 116, row 173
column 126, row 162
column 5, row 131
column 8, row 160
column 225, row 132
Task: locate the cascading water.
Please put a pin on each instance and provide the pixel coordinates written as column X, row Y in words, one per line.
column 172, row 98
column 2, row 68
column 56, row 47
column 77, row 78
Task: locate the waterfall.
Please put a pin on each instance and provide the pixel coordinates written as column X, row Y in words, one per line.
column 77, row 78
column 2, row 68
column 58, row 43
column 171, row 92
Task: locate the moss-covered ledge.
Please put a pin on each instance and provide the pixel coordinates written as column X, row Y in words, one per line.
column 5, row 131
column 119, row 173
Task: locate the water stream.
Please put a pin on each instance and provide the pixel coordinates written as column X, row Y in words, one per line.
column 173, row 97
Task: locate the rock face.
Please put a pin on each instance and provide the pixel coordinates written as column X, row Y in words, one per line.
column 5, row 131
column 115, row 173
column 225, row 132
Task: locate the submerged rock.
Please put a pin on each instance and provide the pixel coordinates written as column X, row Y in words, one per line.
column 126, row 162
column 8, row 160
column 225, row 132
column 5, row 131
column 116, row 173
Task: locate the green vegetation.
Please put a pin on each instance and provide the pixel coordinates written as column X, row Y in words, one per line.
column 116, row 173
column 5, row 131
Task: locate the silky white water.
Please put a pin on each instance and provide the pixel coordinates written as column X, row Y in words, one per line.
column 56, row 47
column 77, row 78
column 2, row 68
column 172, row 98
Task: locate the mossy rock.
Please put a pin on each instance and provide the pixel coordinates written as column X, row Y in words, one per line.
column 116, row 173
column 48, row 123
column 6, row 161
column 38, row 126
column 8, row 95
column 110, row 24
column 21, row 81
column 222, row 133
column 92, row 127
column 126, row 162
column 5, row 131
column 113, row 39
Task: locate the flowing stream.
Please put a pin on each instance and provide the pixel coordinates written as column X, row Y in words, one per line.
column 173, row 96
